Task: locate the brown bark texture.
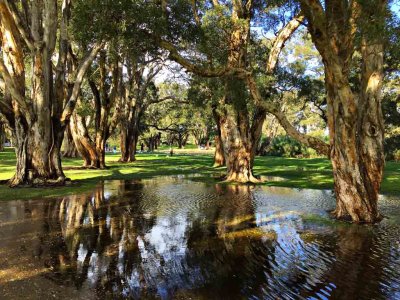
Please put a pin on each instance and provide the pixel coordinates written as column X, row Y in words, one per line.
column 355, row 117
column 37, row 121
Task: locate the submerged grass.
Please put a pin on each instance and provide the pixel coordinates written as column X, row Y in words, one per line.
column 300, row 173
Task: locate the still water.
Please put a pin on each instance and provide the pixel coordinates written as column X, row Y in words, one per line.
column 172, row 238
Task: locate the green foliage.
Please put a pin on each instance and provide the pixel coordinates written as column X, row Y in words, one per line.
column 396, row 155
column 286, row 146
column 392, row 147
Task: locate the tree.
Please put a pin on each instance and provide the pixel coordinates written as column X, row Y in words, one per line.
column 205, row 94
column 38, row 114
column 355, row 117
column 172, row 117
column 226, row 42
column 141, row 93
column 94, row 109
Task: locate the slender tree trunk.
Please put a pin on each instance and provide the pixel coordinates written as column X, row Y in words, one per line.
column 130, row 135
column 70, row 150
column 256, row 131
column 122, row 140
column 2, row 136
column 83, row 143
column 101, row 137
column 156, row 141
column 219, row 156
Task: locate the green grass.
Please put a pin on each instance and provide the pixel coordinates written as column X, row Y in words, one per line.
column 300, row 173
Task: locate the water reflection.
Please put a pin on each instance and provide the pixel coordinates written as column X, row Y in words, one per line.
column 173, row 238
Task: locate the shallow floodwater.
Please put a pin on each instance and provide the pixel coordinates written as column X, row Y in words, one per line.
column 172, row 238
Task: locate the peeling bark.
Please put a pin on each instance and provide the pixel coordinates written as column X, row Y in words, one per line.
column 85, row 146
column 355, row 117
column 37, row 122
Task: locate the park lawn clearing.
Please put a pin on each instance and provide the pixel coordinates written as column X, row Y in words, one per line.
column 315, row 173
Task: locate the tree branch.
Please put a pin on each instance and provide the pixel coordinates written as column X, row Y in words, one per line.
column 198, row 70
column 70, row 105
column 312, row 142
column 19, row 23
column 284, row 34
column 270, row 107
column 9, row 82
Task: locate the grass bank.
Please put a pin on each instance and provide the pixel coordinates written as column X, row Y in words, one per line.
column 298, row 173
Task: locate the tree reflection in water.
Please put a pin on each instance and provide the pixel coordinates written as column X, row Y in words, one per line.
column 179, row 239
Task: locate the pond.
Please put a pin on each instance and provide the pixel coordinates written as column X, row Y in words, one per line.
column 173, row 238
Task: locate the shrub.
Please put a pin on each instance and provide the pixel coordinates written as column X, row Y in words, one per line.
column 396, row 155
column 288, row 147
column 392, row 146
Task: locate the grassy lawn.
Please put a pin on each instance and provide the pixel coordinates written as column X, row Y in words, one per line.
column 299, row 173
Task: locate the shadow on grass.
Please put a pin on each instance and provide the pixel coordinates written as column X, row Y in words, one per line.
column 298, row 173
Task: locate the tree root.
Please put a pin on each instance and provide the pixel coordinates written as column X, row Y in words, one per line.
column 243, row 179
column 40, row 182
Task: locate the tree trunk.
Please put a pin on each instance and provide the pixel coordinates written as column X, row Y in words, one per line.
column 2, row 136
column 219, row 156
column 130, row 135
column 70, row 150
column 356, row 134
column 129, row 140
column 29, row 150
column 256, row 131
column 180, row 140
column 38, row 140
column 101, row 139
column 355, row 118
column 83, row 143
column 237, row 145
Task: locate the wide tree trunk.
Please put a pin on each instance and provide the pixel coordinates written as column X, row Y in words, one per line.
column 354, row 111
column 39, row 138
column 356, row 134
column 180, row 141
column 237, row 145
column 33, row 165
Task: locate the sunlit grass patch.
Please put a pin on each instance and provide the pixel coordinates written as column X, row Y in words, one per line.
column 313, row 173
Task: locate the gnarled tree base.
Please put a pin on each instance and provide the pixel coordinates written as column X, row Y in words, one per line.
column 241, row 177
column 129, row 160
column 38, row 182
column 355, row 215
